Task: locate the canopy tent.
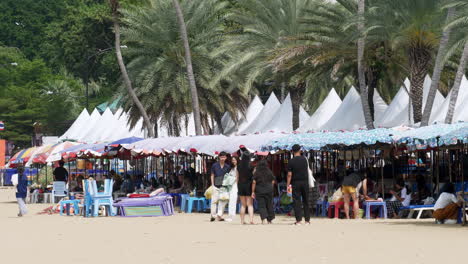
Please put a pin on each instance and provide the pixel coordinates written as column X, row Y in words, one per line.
column 349, row 115
column 379, row 105
column 281, row 120
column 325, row 111
column 77, row 126
column 100, row 127
column 230, row 127
column 265, row 116
column 397, row 112
column 441, row 113
column 89, row 126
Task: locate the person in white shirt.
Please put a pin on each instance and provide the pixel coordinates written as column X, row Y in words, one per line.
column 446, row 207
column 401, row 197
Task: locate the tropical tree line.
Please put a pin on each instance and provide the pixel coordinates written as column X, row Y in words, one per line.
column 161, row 55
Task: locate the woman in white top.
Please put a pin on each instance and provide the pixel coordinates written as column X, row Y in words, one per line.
column 401, row 197
column 446, row 207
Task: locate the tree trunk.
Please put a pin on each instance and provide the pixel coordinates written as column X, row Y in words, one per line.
column 219, row 123
column 188, row 61
column 362, row 77
column 439, row 65
column 297, row 94
column 456, row 85
column 419, row 65
column 114, row 4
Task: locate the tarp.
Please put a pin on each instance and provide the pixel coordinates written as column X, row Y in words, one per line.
column 460, row 107
column 281, row 120
column 325, row 111
column 265, row 116
column 55, row 153
column 77, row 126
column 349, row 115
column 128, row 140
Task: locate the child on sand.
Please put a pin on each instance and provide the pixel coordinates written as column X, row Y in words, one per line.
column 22, row 192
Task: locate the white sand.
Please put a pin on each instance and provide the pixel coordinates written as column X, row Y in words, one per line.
column 191, row 238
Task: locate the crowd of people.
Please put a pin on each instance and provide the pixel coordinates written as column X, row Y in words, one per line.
column 246, row 179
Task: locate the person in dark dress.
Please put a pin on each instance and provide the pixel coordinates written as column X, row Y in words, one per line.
column 298, row 181
column 262, row 191
column 244, row 186
column 60, row 173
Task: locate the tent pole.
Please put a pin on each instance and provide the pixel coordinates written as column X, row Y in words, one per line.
column 463, row 185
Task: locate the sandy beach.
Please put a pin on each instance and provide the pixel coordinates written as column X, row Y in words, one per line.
column 191, row 238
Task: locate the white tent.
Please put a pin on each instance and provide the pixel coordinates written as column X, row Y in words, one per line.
column 99, row 128
column 440, row 114
column 77, row 126
column 230, row 127
column 325, row 111
column 349, row 115
column 379, row 105
column 89, row 126
column 397, row 112
column 267, row 114
column 281, row 121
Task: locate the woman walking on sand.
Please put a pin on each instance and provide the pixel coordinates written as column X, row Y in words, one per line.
column 262, row 190
column 244, row 186
column 229, row 182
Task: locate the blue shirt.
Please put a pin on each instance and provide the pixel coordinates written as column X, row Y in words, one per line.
column 22, row 187
column 219, row 173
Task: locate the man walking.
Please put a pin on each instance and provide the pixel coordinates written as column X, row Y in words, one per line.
column 298, row 180
column 22, row 192
column 218, row 170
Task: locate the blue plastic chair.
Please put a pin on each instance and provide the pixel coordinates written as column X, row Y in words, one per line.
column 183, row 201
column 383, row 208
column 96, row 199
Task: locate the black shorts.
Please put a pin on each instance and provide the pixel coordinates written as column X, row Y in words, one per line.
column 244, row 189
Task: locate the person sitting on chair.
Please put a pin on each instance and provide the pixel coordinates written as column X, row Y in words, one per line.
column 446, row 207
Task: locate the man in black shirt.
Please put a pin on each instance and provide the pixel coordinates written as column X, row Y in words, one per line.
column 60, row 173
column 298, row 180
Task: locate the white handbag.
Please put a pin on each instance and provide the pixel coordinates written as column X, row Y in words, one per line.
column 311, row 175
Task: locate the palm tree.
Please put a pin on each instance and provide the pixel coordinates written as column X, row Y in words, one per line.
column 266, row 27
column 460, row 23
column 413, row 27
column 158, row 64
column 114, row 4
column 362, row 78
column 188, row 61
column 438, row 66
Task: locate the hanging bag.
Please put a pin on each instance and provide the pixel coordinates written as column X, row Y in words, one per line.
column 311, row 175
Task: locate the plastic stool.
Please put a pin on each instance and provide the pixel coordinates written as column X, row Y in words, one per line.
column 200, row 204
column 75, row 203
column 183, row 199
column 383, row 208
column 321, row 208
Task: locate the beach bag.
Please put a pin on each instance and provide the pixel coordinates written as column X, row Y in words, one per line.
column 14, row 179
column 285, row 199
column 223, row 194
column 209, row 193
column 229, row 180
column 311, row 176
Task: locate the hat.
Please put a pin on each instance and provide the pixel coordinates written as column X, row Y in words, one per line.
column 296, row 148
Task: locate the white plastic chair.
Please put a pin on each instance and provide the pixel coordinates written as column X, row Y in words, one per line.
column 59, row 189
